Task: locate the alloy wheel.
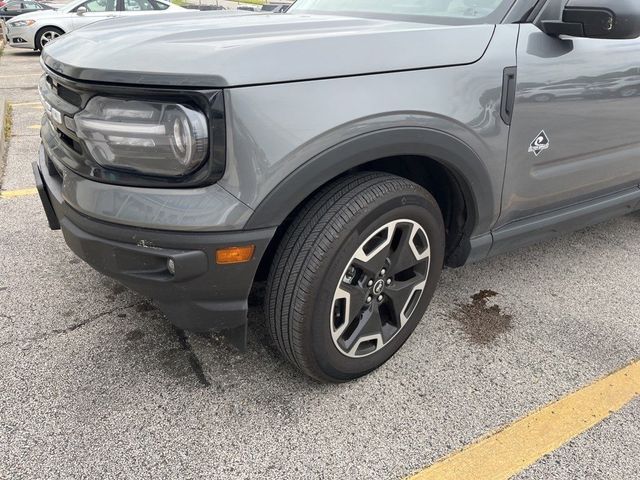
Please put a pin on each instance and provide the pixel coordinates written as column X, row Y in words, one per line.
column 380, row 288
column 47, row 36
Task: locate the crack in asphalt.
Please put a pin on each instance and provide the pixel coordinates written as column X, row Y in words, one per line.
column 194, row 361
column 64, row 331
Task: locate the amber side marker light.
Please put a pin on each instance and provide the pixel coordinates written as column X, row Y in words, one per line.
column 228, row 255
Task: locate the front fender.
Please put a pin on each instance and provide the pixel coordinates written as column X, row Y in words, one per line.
column 451, row 152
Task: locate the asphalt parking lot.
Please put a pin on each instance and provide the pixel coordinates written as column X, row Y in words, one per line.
column 96, row 384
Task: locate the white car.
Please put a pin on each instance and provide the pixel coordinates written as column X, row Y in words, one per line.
column 34, row 30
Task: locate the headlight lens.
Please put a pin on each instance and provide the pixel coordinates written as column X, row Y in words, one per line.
column 153, row 138
column 22, row 23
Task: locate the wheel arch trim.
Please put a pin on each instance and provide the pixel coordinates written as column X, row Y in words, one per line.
column 449, row 151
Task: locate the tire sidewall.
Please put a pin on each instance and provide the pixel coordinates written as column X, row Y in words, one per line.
column 317, row 332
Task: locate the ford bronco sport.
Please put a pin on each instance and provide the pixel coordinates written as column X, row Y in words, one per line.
column 344, row 152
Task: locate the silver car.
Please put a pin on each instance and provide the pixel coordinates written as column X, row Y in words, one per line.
column 35, row 29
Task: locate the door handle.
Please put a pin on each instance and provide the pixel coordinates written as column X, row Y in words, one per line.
column 508, row 94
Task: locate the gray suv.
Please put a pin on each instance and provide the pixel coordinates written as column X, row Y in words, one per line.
column 345, row 152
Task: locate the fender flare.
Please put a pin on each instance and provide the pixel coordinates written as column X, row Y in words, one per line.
column 452, row 153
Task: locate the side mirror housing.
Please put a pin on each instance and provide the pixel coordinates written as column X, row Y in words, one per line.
column 606, row 19
column 81, row 10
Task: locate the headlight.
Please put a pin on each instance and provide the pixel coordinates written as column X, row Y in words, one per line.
column 22, row 23
column 153, row 138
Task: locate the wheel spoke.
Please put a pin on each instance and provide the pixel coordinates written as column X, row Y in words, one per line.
column 47, row 37
column 375, row 264
column 369, row 327
column 372, row 256
column 406, row 254
column 347, row 305
column 400, row 294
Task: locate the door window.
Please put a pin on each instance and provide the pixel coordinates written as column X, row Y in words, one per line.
column 137, row 5
column 99, row 6
column 159, row 5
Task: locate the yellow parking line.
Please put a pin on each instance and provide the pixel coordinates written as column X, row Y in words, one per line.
column 34, row 127
column 18, row 193
column 521, row 444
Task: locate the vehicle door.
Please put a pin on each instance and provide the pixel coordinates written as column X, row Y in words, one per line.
column 575, row 131
column 96, row 10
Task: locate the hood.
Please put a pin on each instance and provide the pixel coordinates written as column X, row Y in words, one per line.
column 207, row 49
column 34, row 15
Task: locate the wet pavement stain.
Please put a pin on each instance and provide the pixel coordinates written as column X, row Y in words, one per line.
column 117, row 289
column 145, row 307
column 134, row 335
column 482, row 324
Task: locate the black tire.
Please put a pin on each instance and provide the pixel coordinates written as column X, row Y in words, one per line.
column 43, row 32
column 311, row 259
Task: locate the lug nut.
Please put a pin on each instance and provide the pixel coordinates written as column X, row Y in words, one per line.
column 388, row 281
column 370, row 283
column 380, row 298
column 383, row 271
column 369, row 299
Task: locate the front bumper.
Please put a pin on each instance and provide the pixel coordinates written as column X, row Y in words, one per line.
column 200, row 296
column 19, row 37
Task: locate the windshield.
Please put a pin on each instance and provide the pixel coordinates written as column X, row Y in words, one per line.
column 466, row 11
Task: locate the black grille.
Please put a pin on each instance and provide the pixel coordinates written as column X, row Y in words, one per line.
column 70, row 96
column 65, row 93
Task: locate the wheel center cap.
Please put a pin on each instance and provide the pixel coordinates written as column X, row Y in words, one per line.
column 378, row 287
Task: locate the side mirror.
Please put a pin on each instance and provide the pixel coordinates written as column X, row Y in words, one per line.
column 81, row 10
column 606, row 19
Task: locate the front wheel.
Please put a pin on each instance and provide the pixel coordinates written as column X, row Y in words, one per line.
column 46, row 35
column 354, row 275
